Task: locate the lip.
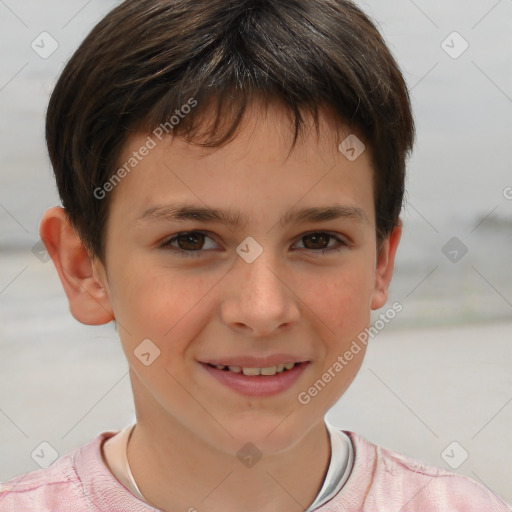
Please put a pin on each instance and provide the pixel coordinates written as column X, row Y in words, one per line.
column 257, row 385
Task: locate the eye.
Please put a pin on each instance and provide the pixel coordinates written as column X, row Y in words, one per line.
column 189, row 243
column 317, row 242
column 192, row 243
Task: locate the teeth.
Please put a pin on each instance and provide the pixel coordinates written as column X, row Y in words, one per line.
column 251, row 371
column 270, row 370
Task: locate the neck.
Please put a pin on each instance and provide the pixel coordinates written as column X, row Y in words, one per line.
column 183, row 472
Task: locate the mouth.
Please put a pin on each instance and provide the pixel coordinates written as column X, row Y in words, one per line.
column 257, row 380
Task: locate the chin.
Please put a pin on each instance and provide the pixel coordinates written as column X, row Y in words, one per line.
column 270, row 435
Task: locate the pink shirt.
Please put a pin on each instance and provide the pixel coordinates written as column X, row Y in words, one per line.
column 381, row 480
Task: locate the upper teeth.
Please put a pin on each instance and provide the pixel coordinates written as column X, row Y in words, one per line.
column 269, row 370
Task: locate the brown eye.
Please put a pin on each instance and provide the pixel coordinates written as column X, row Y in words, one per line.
column 316, row 240
column 190, row 241
column 319, row 242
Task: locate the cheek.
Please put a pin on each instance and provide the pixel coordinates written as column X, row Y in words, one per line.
column 160, row 304
column 342, row 300
column 342, row 313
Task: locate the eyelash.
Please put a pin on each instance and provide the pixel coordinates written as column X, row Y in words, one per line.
column 166, row 245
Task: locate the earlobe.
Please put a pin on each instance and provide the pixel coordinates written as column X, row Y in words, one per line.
column 86, row 289
column 384, row 267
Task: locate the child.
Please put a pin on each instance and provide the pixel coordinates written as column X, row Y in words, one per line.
column 232, row 176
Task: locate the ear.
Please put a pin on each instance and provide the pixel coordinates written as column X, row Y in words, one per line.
column 84, row 279
column 384, row 267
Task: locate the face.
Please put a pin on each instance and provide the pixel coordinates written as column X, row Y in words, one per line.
column 285, row 270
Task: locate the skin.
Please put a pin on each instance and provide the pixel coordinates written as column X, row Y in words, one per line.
column 292, row 299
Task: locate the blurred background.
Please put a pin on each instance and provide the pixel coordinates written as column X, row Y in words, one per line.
column 436, row 384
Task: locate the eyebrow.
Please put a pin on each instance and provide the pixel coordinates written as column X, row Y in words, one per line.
column 235, row 219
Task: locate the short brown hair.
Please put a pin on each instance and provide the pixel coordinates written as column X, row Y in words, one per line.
column 147, row 58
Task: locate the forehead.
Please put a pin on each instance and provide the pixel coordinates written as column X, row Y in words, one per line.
column 258, row 168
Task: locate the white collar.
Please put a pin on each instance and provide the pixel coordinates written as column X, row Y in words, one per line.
column 340, row 465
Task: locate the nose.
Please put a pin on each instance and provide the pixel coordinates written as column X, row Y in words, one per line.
column 260, row 300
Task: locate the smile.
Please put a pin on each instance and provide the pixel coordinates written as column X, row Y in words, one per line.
column 256, row 381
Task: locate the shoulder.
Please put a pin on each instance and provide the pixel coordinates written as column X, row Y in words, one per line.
column 386, row 480
column 57, row 486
